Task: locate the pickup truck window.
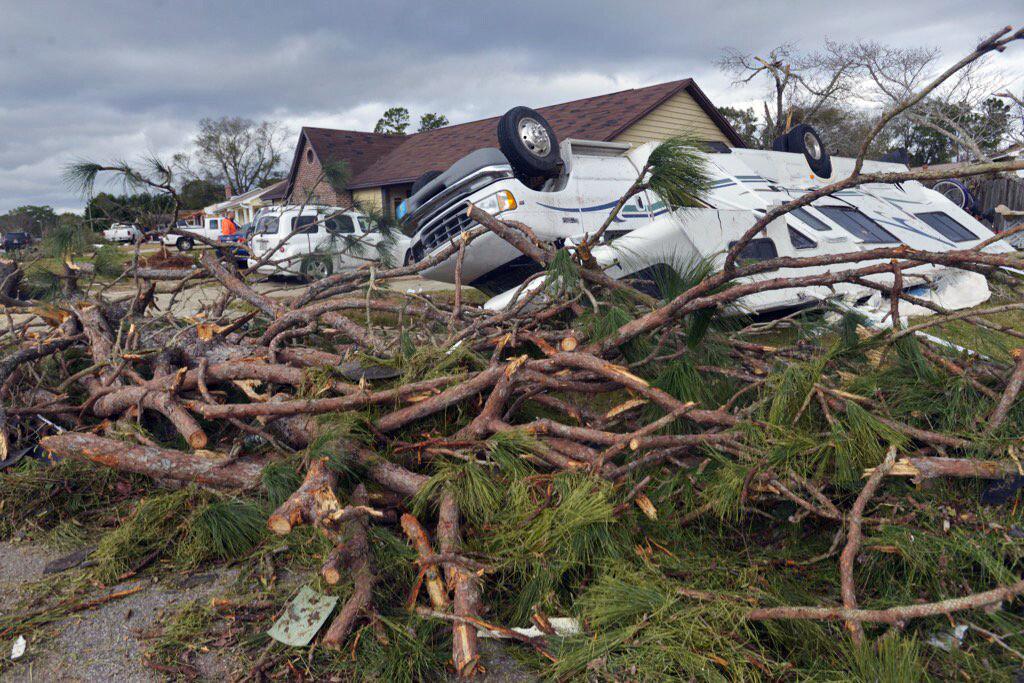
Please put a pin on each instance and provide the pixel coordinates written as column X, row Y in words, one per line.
column 341, row 225
column 310, row 221
column 267, row 225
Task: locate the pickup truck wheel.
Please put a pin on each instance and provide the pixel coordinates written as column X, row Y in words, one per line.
column 529, row 143
column 316, row 268
column 184, row 243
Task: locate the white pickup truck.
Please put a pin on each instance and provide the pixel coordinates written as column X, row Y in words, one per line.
column 209, row 228
column 313, row 242
column 123, row 232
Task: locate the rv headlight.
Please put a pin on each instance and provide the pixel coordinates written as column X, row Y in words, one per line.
column 498, row 202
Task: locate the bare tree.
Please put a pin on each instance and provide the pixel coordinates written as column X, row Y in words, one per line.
column 962, row 110
column 246, row 154
column 798, row 85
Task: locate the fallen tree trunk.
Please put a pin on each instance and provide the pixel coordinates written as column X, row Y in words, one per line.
column 161, row 463
column 922, row 468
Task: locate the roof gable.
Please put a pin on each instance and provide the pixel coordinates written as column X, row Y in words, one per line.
column 357, row 149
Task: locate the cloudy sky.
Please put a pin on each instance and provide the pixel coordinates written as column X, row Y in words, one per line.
column 108, row 80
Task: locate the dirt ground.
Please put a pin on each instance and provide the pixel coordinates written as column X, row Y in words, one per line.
column 106, row 643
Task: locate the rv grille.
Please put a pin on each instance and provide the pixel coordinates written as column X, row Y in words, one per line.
column 446, row 228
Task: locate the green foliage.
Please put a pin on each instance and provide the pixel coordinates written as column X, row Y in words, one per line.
column 890, row 659
column 189, row 525
column 66, row 240
column 151, row 528
column 432, row 121
column 223, row 530
column 108, row 261
column 678, row 172
column 563, row 274
column 645, row 629
column 40, row 495
column 394, row 121
column 279, row 480
column 744, row 122
column 549, row 536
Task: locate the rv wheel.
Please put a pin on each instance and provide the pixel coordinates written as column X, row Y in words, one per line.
column 423, row 180
column 184, row 243
column 804, row 139
column 528, row 142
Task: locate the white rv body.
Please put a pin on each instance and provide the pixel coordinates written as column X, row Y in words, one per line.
column 745, row 183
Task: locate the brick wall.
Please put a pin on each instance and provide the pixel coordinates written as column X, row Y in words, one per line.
column 310, row 187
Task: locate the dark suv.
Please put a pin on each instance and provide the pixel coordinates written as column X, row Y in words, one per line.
column 16, row 240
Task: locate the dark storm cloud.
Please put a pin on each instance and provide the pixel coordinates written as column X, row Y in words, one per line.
column 116, row 79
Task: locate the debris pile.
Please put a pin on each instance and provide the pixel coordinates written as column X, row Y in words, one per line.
column 622, row 486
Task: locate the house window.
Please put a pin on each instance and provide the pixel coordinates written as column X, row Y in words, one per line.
column 858, row 225
column 800, row 240
column 309, row 155
column 947, row 226
column 810, row 219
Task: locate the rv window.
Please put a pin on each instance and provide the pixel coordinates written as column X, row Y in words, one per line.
column 800, row 240
column 760, row 249
column 947, row 226
column 300, row 221
column 340, row 225
column 859, row 225
column 810, row 219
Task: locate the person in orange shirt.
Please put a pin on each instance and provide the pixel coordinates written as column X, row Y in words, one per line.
column 228, row 228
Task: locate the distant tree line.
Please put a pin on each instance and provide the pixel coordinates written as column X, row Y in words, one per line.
column 840, row 88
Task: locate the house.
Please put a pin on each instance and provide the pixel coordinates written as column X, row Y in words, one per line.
column 382, row 168
column 245, row 205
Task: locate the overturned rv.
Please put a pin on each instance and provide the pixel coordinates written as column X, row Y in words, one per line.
column 565, row 191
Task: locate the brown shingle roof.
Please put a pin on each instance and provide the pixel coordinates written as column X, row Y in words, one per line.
column 377, row 160
column 356, row 148
column 595, row 118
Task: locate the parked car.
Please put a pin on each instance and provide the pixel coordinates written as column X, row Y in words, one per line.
column 209, row 228
column 564, row 192
column 326, row 240
column 16, row 240
column 123, row 232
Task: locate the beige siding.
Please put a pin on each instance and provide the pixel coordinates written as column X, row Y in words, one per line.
column 679, row 115
column 368, row 199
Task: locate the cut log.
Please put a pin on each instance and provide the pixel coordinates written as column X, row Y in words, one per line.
column 360, row 565
column 417, row 536
column 310, row 503
column 466, row 589
column 162, row 463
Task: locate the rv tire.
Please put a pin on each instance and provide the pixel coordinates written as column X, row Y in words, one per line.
column 803, row 139
column 529, row 143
